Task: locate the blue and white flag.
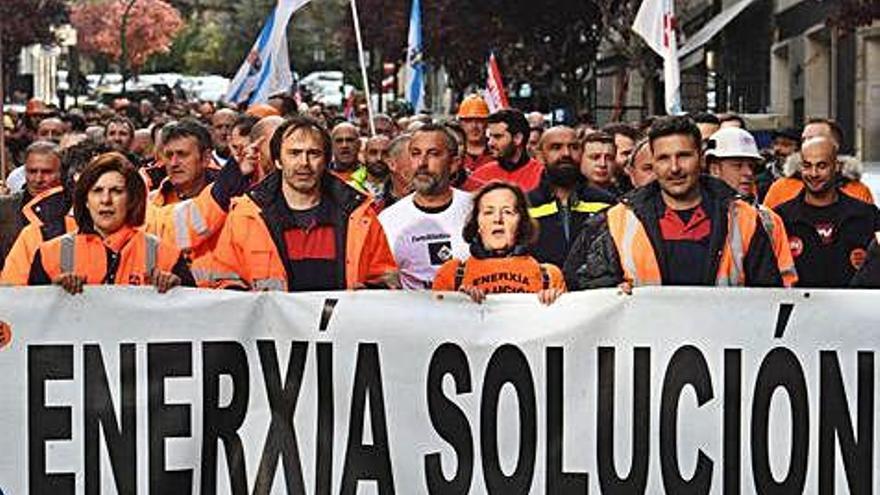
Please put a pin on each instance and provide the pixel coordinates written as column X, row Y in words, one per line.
column 266, row 69
column 415, row 66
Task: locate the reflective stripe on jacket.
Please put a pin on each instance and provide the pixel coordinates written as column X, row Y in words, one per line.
column 86, row 255
column 775, row 228
column 246, row 255
column 639, row 262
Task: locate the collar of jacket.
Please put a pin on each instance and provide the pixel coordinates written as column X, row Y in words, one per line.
column 544, row 194
column 268, row 192
column 115, row 241
column 50, row 204
column 166, row 188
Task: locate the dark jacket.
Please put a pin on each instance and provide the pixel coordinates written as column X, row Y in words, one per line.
column 11, row 222
column 868, row 276
column 594, row 261
column 829, row 244
column 559, row 224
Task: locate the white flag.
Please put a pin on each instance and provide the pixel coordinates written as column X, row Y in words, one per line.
column 266, row 69
column 655, row 23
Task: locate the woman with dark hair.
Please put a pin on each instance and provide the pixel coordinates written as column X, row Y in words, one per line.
column 500, row 231
column 109, row 205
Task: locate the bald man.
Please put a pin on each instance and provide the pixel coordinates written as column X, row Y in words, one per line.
column 258, row 157
column 563, row 200
column 829, row 232
column 221, row 126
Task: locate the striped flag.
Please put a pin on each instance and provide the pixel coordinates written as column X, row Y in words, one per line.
column 655, row 23
column 415, row 67
column 266, row 69
column 496, row 96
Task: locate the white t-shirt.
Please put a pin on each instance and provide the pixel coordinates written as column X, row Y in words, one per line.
column 422, row 241
column 15, row 180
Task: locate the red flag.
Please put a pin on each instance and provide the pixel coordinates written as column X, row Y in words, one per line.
column 496, row 96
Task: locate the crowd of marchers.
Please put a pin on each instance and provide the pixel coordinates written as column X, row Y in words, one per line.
column 298, row 198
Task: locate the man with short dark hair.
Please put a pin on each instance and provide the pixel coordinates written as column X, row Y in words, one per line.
column 119, row 133
column 508, row 134
column 671, row 231
column 707, row 123
column 376, row 156
column 302, row 228
column 425, row 228
column 187, row 147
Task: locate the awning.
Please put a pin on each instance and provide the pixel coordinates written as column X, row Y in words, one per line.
column 713, row 27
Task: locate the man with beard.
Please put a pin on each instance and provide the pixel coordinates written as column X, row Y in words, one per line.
column 685, row 228
column 829, row 231
column 424, row 229
column 508, row 134
column 376, row 158
column 563, row 200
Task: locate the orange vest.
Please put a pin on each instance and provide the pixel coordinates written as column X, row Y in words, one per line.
column 246, row 255
column 513, row 274
column 639, row 262
column 788, row 188
column 775, row 228
column 86, row 255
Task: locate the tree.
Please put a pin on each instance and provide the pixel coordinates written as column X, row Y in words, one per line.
column 549, row 44
column 850, row 14
column 25, row 22
column 150, row 28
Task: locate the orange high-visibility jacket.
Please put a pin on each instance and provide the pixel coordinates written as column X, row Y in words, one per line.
column 86, row 255
column 639, row 262
column 788, row 188
column 48, row 216
column 246, row 255
column 775, row 228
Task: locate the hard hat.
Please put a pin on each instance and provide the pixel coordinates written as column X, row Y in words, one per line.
column 732, row 142
column 35, row 106
column 262, row 110
column 473, row 107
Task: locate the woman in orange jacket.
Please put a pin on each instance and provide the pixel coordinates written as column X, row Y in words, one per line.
column 109, row 203
column 500, row 232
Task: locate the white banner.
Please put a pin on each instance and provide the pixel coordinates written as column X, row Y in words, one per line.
column 667, row 391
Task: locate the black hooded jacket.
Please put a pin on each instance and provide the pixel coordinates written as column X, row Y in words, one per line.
column 594, row 261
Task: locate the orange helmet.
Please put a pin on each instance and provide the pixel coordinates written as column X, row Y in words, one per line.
column 261, row 110
column 473, row 107
column 36, row 106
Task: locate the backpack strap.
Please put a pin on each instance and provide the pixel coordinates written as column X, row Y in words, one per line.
column 459, row 274
column 545, row 276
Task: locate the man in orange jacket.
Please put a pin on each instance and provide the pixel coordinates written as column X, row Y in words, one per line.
column 303, row 228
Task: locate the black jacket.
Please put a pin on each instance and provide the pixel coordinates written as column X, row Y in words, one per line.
column 559, row 225
column 594, row 261
column 829, row 244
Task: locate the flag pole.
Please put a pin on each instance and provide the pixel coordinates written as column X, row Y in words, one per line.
column 4, row 167
column 360, row 47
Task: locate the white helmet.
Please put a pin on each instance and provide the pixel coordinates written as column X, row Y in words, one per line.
column 732, row 142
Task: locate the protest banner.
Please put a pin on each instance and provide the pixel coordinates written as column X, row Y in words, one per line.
column 672, row 390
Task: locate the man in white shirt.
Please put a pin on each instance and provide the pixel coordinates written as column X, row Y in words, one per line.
column 424, row 228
